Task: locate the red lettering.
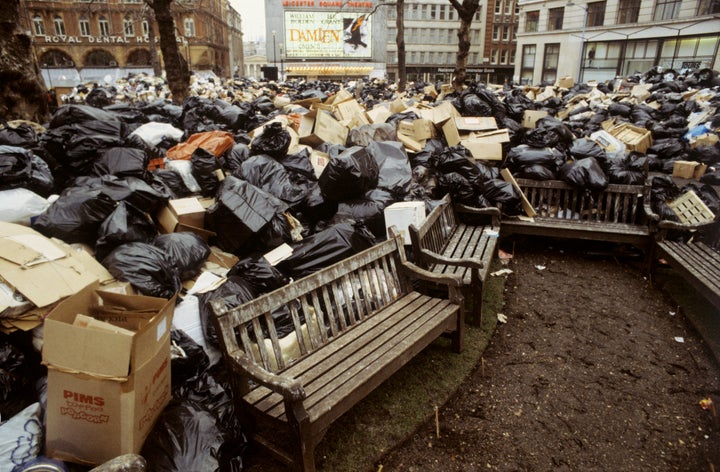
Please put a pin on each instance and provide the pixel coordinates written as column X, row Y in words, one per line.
column 82, row 398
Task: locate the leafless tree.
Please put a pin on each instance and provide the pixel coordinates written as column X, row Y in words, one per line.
column 466, row 10
column 176, row 68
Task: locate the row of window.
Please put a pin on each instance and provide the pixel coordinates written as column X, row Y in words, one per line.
column 444, row 36
column 421, row 12
column 628, row 12
column 103, row 26
column 497, row 56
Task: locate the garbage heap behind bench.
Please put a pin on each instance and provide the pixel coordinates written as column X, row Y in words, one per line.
column 355, row 323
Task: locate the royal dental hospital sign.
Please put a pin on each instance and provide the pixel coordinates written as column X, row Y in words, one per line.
column 97, row 39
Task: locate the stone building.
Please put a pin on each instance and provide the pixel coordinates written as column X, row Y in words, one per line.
column 90, row 40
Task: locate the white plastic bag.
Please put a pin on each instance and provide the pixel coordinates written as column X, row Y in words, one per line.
column 154, row 132
column 19, row 205
column 20, row 438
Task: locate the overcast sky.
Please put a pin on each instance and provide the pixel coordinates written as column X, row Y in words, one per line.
column 253, row 18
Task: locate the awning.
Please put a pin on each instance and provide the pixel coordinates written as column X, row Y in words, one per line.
column 330, row 70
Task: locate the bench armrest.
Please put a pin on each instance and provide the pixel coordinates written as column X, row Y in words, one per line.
column 667, row 224
column 491, row 211
column 435, row 258
column 416, row 272
column 291, row 389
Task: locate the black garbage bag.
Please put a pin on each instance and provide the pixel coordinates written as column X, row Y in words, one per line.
column 584, row 173
column 326, row 247
column 125, row 224
column 76, row 215
column 711, row 178
column 331, row 149
column 185, row 250
column 259, row 274
column 349, row 175
column 19, row 370
column 234, row 292
column 232, row 159
column 709, row 155
column 301, row 169
column 627, row 170
column 423, row 158
column 504, row 194
column 188, row 361
column 204, row 164
column 266, row 173
column 394, row 169
column 461, row 189
column 470, row 104
column 524, row 155
column 146, row 268
column 620, row 109
column 368, row 210
column 365, row 134
column 315, row 206
column 147, row 195
column 642, row 115
column 536, row 172
column 264, row 105
column 22, row 135
column 121, row 162
column 584, row 147
column 15, row 167
column 75, row 114
column 173, row 183
column 42, row 180
column 186, row 437
column 667, row 149
column 555, row 132
column 398, row 117
column 273, row 141
column 241, row 211
column 100, row 97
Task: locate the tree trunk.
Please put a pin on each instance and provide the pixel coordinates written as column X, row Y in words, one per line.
column 466, row 11
column 23, row 94
column 154, row 59
column 400, row 42
column 176, row 69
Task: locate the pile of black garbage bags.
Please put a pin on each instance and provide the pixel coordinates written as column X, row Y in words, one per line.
column 93, row 176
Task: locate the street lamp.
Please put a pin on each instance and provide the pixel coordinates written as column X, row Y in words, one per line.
column 274, row 61
column 281, row 62
column 582, row 44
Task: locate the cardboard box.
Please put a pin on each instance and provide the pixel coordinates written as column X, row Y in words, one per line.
column 403, row 214
column 418, row 129
column 319, row 160
column 565, row 82
column 487, row 146
column 508, row 177
column 379, row 114
column 467, row 127
column 688, row 169
column 318, row 126
column 42, row 270
column 444, row 112
column 105, row 389
column 635, row 138
column 184, row 214
column 530, row 117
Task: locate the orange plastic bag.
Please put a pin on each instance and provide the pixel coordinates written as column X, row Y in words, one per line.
column 217, row 142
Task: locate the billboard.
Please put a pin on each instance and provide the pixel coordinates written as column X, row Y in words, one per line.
column 340, row 35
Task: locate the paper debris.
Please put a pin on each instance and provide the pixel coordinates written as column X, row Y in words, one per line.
column 540, row 267
column 679, row 339
column 501, row 272
column 501, row 318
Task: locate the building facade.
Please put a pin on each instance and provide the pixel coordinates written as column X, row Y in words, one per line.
column 431, row 41
column 77, row 40
column 325, row 39
column 602, row 40
column 236, row 51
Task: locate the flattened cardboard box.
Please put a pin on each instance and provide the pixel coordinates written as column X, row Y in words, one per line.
column 460, row 128
column 105, row 389
column 43, row 271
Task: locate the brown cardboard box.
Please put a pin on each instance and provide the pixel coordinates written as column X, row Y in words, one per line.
column 530, row 117
column 42, row 270
column 487, row 145
column 183, row 214
column 460, row 128
column 444, row 112
column 329, row 129
column 105, row 389
column 379, row 114
column 565, row 82
column 688, row 169
column 508, row 177
column 350, row 109
column 635, row 138
column 418, row 129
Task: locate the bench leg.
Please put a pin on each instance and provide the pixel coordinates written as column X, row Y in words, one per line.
column 304, row 459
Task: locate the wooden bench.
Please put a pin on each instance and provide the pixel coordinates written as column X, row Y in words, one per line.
column 355, row 323
column 445, row 244
column 616, row 214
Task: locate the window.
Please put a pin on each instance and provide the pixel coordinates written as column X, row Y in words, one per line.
column 132, row 1
column 493, row 56
column 84, row 26
column 442, row 11
column 498, row 7
column 528, row 63
column 59, row 26
column 555, row 18
column 38, row 25
column 708, row 7
column 145, row 28
column 550, row 62
column 104, row 26
column 508, row 7
column 189, row 27
column 596, row 13
column 512, row 56
column 532, row 18
column 128, row 27
column 433, row 12
column 503, row 56
column 666, row 9
column 506, row 33
column 628, row 11
column 477, row 14
column 99, row 58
